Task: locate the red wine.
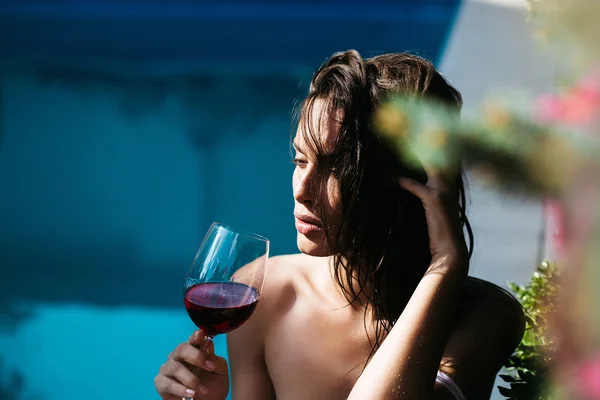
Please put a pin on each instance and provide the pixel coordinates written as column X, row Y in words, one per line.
column 220, row 307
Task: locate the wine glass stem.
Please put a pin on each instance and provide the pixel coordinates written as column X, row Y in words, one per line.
column 196, row 369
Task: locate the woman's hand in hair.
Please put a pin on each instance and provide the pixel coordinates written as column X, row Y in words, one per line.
column 446, row 238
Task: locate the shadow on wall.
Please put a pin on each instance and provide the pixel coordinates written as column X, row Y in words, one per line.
column 108, row 270
column 215, row 107
column 103, row 274
column 1, row 114
column 12, row 382
column 210, row 99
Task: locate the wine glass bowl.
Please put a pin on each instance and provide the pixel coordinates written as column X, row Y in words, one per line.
column 225, row 280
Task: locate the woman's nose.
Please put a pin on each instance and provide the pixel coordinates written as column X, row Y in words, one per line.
column 303, row 191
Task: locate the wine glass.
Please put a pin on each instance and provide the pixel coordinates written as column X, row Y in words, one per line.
column 225, row 279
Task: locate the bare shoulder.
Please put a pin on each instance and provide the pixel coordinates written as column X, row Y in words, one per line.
column 284, row 274
column 246, row 344
column 283, row 270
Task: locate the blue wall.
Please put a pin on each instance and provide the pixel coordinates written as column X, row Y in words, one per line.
column 115, row 159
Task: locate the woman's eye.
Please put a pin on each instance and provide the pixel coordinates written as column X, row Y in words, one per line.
column 299, row 162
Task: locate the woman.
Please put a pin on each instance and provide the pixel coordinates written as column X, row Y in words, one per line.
column 378, row 305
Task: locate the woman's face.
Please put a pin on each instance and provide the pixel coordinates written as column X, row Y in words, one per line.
column 315, row 190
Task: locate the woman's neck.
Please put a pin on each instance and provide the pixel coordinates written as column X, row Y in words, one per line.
column 349, row 282
column 360, row 292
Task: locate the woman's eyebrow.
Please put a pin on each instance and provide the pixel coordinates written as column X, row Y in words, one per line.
column 329, row 155
column 297, row 147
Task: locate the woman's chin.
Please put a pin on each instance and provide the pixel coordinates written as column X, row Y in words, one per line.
column 312, row 246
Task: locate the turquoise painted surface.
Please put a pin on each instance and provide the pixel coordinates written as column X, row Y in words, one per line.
column 78, row 351
column 106, row 208
column 117, row 151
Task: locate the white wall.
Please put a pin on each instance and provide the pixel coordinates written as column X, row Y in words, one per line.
column 491, row 48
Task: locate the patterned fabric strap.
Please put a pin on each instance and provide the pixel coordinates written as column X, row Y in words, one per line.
column 449, row 384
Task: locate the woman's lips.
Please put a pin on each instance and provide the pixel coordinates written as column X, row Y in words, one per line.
column 305, row 227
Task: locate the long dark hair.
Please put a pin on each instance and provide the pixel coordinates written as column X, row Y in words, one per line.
column 381, row 245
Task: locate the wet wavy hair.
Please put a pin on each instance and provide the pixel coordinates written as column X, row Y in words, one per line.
column 381, row 245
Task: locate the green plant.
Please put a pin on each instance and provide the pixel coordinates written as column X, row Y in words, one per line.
column 528, row 368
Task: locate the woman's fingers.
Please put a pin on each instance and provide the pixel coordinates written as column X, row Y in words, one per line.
column 200, row 352
column 438, row 185
column 443, row 180
column 191, row 369
column 414, row 187
column 220, row 364
column 441, row 213
column 179, row 372
column 198, row 338
column 194, row 356
column 209, row 348
column 169, row 386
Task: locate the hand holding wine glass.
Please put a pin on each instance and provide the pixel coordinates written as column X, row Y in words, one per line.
column 208, row 381
column 221, row 291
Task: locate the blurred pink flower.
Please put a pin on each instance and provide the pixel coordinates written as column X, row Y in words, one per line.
column 549, row 108
column 587, row 378
column 577, row 106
